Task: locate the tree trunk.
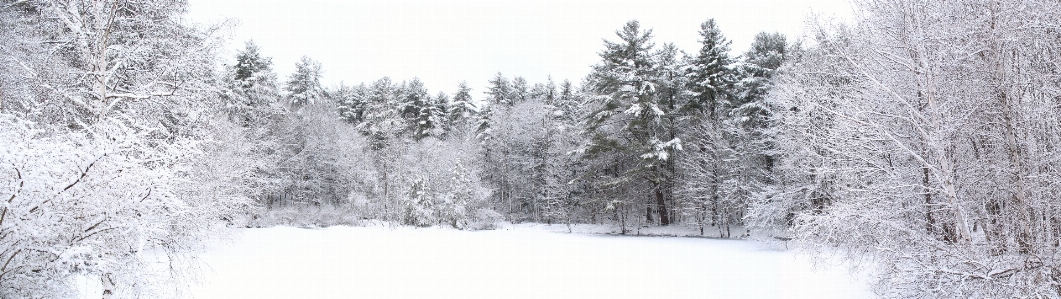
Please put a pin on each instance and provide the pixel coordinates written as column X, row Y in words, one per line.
column 648, row 214
column 1013, row 146
column 661, row 205
column 1016, row 157
column 108, row 286
column 929, row 219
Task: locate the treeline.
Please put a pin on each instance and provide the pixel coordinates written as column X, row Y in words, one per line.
column 920, row 138
column 608, row 151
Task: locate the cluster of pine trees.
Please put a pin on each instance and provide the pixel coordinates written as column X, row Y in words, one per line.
column 652, row 137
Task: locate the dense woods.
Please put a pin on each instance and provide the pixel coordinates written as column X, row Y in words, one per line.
column 919, row 139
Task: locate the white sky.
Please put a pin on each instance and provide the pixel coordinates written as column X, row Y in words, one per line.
column 444, row 42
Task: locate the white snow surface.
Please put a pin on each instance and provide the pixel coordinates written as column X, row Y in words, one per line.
column 521, row 261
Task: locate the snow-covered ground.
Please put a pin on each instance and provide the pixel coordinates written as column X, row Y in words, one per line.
column 525, row 261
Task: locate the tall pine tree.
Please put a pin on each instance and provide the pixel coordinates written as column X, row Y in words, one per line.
column 710, row 82
column 629, row 137
column 253, row 90
column 304, row 86
column 462, row 108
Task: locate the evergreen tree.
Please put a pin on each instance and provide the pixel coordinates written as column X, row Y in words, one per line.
column 671, row 94
column 304, row 86
column 752, row 115
column 565, row 100
column 709, row 73
column 629, row 137
column 460, row 193
column 462, row 109
column 709, row 137
column 520, row 90
column 381, row 120
column 767, row 54
column 440, row 117
column 500, row 91
column 254, row 89
column 546, row 92
column 250, row 64
column 419, row 205
column 353, row 102
column 424, row 117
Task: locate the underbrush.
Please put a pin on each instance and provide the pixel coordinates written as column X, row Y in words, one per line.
column 306, row 216
column 321, row 216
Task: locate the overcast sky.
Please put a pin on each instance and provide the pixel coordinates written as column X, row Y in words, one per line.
column 444, row 42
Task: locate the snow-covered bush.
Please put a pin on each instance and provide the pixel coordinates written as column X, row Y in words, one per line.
column 308, row 216
column 484, row 219
column 438, row 187
column 418, row 204
column 105, row 202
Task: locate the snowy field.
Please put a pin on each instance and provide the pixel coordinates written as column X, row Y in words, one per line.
column 518, row 262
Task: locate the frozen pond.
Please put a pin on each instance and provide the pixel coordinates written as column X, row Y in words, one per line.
column 521, row 262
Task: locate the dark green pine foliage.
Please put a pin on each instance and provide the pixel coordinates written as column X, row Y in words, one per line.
column 754, row 149
column 304, row 86
column 520, row 90
column 424, row 116
column 462, row 108
column 352, row 102
column 546, row 92
column 670, row 91
column 629, row 135
column 566, row 100
column 250, row 63
column 671, row 78
column 253, row 90
column 440, row 115
column 499, row 92
column 710, row 168
column 767, row 54
column 498, row 96
column 709, row 73
column 381, row 120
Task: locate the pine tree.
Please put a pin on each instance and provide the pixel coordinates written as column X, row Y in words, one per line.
column 383, row 125
column 304, row 86
column 566, row 101
column 628, row 132
column 424, row 116
column 254, row 89
column 767, row 54
column 710, row 81
column 520, row 90
column 462, row 108
column 381, row 119
column 458, row 197
column 353, row 102
column 440, row 117
column 418, row 204
column 754, row 146
column 250, row 64
column 709, row 73
column 546, row 92
column 671, row 93
column 499, row 93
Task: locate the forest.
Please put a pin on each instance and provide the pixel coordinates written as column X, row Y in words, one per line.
column 920, row 140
